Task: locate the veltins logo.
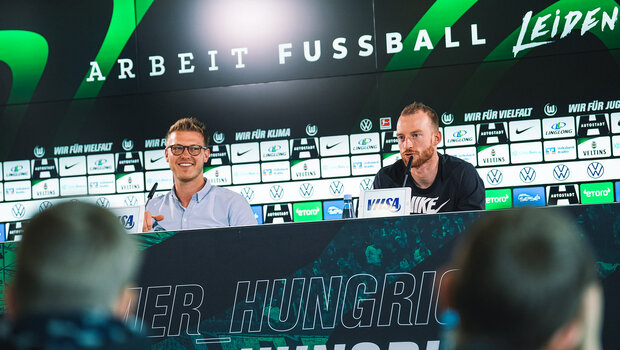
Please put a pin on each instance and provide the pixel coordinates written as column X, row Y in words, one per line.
column 307, row 211
column 276, row 192
column 495, row 177
column 336, row 188
column 529, row 197
column 595, row 170
column 527, row 174
column 498, row 199
column 594, row 193
column 561, row 172
column 18, row 211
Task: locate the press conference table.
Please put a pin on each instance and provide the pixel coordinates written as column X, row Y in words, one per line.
column 346, row 284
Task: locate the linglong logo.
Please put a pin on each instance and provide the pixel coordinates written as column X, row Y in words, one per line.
column 460, row 133
column 558, row 125
column 276, row 192
column 274, row 148
column 595, row 170
column 306, row 190
column 561, row 172
column 365, row 141
column 495, row 177
column 247, row 193
column 101, row 162
column 336, row 188
column 366, row 184
column 527, row 174
column 18, row 211
column 17, row 168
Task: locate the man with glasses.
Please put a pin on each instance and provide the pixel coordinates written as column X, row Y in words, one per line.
column 193, row 203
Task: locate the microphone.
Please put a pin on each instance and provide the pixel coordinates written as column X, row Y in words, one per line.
column 151, row 193
column 407, row 172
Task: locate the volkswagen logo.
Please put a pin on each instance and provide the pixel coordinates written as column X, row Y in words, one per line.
column 218, row 137
column 127, row 145
column 103, row 202
column 447, row 118
column 276, row 192
column 561, row 172
column 306, row 190
column 312, row 129
column 495, row 177
column 18, row 211
column 366, row 125
column 44, row 205
column 527, row 174
column 131, row 201
column 247, row 193
column 595, row 170
column 336, row 188
column 366, row 184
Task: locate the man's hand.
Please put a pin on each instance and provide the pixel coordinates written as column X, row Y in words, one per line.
column 148, row 221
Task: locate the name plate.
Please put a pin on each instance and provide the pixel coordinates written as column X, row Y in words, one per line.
column 385, row 202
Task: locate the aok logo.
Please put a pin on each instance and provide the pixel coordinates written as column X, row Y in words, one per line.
column 391, row 204
column 127, row 221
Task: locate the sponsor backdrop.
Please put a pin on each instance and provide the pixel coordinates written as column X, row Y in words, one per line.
column 302, row 98
column 342, row 285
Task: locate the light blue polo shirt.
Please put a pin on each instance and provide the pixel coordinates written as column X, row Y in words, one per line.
column 210, row 207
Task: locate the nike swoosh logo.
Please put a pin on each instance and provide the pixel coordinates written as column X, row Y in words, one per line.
column 239, row 154
column 67, row 167
column 524, row 130
column 332, row 146
column 156, row 159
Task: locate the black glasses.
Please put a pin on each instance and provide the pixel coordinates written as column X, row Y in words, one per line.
column 193, row 150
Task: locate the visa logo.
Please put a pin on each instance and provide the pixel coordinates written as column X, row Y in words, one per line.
column 391, row 204
column 127, row 221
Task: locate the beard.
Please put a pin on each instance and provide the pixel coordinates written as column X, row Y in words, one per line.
column 420, row 158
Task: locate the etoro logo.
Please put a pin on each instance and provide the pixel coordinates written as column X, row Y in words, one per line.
column 308, row 211
column 498, row 199
column 595, row 193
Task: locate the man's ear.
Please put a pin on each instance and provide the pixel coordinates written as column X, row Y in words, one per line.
column 437, row 137
column 207, row 154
